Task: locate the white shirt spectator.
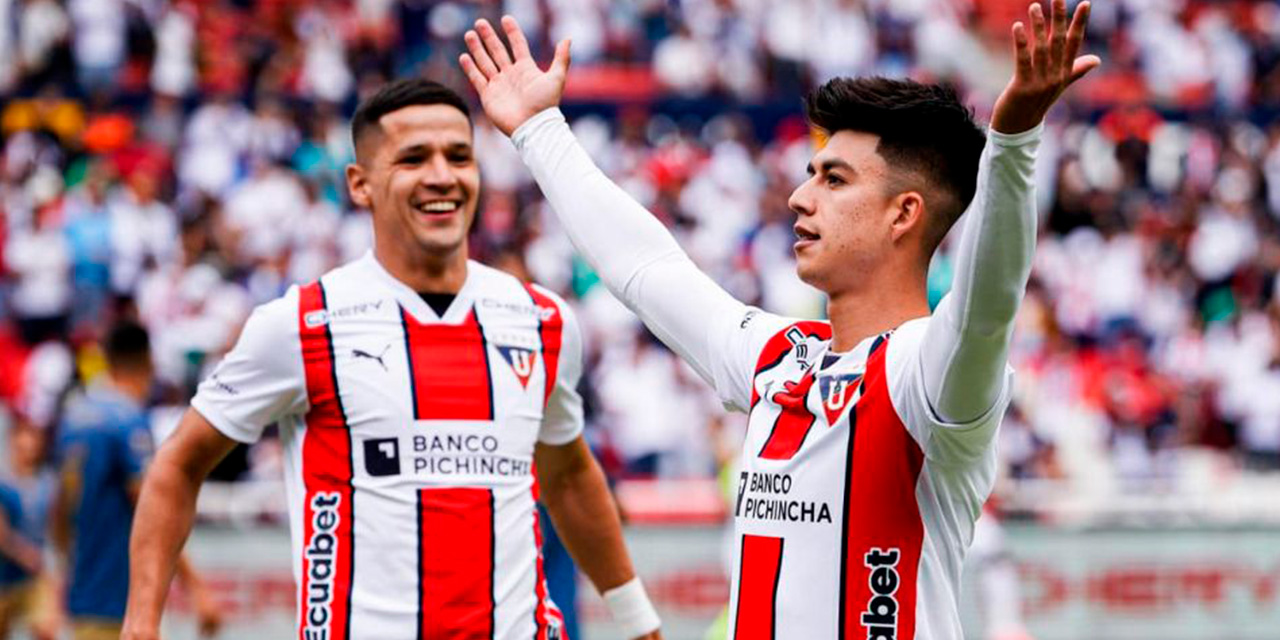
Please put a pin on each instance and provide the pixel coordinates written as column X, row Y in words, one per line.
column 41, row 260
column 174, row 71
column 263, row 210
column 99, row 36
column 143, row 233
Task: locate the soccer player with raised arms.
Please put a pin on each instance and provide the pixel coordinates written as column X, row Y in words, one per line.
column 415, row 391
column 869, row 450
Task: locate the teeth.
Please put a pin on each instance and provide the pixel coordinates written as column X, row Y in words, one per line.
column 805, row 235
column 438, row 206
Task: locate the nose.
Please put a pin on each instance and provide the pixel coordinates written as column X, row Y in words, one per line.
column 437, row 173
column 801, row 201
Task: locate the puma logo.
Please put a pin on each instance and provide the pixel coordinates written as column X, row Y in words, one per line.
column 361, row 353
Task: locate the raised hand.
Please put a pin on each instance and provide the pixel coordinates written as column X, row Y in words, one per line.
column 1046, row 66
column 511, row 86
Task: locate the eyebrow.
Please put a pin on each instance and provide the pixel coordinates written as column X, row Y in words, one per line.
column 422, row 148
column 832, row 163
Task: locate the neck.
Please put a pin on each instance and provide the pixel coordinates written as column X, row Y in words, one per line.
column 424, row 271
column 134, row 387
column 860, row 313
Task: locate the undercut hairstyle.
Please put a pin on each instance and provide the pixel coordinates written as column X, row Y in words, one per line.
column 406, row 92
column 127, row 347
column 924, row 130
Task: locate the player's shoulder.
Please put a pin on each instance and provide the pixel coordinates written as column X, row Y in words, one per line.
column 903, row 349
column 774, row 335
column 277, row 316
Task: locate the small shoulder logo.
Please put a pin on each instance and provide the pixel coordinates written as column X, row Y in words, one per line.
column 521, row 362
column 317, row 318
column 361, row 353
column 797, row 338
column 838, row 392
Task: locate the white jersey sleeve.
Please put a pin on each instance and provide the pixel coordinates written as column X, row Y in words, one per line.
column 965, row 348
column 643, row 265
column 942, row 440
column 562, row 419
column 261, row 379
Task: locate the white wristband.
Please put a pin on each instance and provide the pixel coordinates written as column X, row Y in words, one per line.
column 631, row 609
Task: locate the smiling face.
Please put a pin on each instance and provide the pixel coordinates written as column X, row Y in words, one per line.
column 850, row 221
column 418, row 174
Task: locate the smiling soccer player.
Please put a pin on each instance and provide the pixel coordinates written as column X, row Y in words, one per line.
column 415, row 390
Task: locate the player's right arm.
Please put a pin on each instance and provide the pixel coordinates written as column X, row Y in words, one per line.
column 257, row 383
column 634, row 254
column 166, row 511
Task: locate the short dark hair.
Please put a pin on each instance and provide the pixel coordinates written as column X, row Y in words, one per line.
column 923, row 128
column 406, row 92
column 127, row 347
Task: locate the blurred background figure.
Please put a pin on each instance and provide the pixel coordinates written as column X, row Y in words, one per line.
column 26, row 492
column 104, row 442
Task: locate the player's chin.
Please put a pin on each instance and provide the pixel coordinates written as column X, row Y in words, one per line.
column 439, row 240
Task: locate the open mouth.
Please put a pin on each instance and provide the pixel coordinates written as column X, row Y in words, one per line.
column 805, row 235
column 438, row 207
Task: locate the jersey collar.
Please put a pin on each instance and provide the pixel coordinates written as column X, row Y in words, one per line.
column 412, row 303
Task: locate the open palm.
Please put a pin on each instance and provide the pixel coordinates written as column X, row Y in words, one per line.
column 1046, row 65
column 511, row 86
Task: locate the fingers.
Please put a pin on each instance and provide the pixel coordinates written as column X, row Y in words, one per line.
column 478, row 80
column 1082, row 66
column 1040, row 44
column 560, row 63
column 519, row 45
column 479, row 56
column 1075, row 34
column 493, row 43
column 1021, row 51
column 1057, row 35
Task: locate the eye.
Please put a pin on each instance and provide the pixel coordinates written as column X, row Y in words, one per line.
column 411, row 159
column 834, row 180
column 460, row 156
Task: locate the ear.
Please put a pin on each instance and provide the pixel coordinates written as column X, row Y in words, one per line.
column 908, row 211
column 358, row 186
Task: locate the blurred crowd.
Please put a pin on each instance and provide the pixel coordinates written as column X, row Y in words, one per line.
column 180, row 162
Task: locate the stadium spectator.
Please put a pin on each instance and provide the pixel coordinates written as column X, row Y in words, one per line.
column 104, row 442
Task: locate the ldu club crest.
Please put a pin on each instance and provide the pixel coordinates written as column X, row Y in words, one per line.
column 838, row 393
column 521, row 361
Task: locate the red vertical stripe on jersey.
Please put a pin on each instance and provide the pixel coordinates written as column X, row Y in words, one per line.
column 550, row 328
column 449, row 365
column 455, row 564
column 779, row 346
column 328, row 518
column 883, row 528
column 540, row 615
column 793, row 423
column 758, row 573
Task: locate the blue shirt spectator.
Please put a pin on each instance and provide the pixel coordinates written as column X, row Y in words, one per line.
column 103, row 445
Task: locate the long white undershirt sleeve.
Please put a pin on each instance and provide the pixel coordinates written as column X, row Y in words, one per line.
column 636, row 257
column 965, row 349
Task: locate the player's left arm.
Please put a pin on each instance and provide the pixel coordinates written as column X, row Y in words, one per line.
column 574, row 492
column 576, row 496
column 965, row 350
column 134, row 457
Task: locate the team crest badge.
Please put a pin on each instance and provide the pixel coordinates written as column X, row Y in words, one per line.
column 521, row 361
column 838, row 392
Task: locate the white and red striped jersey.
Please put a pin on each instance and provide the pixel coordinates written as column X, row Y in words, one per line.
column 862, row 472
column 409, row 441
column 854, row 503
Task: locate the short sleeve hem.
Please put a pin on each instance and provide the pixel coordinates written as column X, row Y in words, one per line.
column 226, row 426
